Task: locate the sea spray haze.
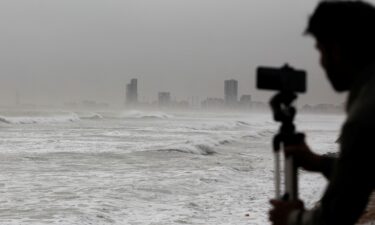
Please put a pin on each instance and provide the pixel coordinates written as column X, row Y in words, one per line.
column 134, row 167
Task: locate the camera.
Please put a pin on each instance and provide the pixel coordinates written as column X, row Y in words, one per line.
column 284, row 79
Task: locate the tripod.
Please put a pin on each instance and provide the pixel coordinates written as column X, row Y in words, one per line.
column 284, row 112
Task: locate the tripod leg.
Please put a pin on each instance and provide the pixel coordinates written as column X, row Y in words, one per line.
column 291, row 170
column 291, row 179
column 277, row 175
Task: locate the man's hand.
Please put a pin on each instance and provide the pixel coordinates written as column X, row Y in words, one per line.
column 304, row 157
column 278, row 215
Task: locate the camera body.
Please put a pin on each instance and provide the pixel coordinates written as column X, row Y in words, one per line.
column 284, row 79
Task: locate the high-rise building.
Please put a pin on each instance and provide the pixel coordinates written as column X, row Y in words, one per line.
column 164, row 98
column 231, row 92
column 132, row 92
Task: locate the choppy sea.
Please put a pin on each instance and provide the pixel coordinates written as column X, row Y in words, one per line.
column 138, row 167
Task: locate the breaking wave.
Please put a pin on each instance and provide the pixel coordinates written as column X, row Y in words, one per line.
column 225, row 126
column 199, row 150
column 91, row 116
column 146, row 115
column 265, row 133
column 242, row 123
column 198, row 147
column 4, row 120
column 39, row 119
column 30, row 117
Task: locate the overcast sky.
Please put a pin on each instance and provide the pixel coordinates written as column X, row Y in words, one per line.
column 71, row 50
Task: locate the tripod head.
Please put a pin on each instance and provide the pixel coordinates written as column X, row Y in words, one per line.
column 283, row 111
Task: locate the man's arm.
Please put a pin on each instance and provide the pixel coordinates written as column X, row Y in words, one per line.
column 310, row 161
column 351, row 183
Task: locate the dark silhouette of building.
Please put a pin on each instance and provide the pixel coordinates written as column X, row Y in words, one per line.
column 132, row 92
column 164, row 99
column 231, row 92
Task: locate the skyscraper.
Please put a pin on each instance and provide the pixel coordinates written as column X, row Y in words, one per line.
column 231, row 92
column 132, row 92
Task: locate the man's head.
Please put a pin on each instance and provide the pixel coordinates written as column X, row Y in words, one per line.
column 345, row 35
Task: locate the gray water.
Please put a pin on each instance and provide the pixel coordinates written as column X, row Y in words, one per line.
column 80, row 168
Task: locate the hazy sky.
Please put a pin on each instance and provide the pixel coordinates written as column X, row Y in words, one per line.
column 71, row 50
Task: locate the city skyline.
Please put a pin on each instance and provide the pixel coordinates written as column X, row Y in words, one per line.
column 231, row 99
column 230, row 94
column 50, row 57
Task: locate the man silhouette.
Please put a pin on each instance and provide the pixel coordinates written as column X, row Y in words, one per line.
column 345, row 38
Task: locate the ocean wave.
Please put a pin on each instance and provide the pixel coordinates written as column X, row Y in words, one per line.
column 145, row 115
column 31, row 117
column 91, row 116
column 243, row 123
column 225, row 126
column 265, row 133
column 4, row 120
column 198, row 147
column 191, row 151
column 71, row 117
